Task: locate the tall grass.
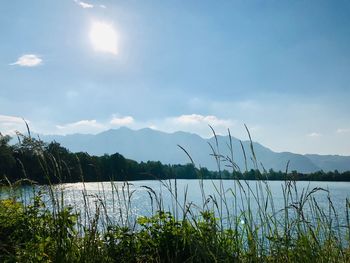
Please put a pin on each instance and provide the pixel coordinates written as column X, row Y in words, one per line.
column 236, row 224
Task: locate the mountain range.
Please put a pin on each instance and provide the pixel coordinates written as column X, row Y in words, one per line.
column 148, row 144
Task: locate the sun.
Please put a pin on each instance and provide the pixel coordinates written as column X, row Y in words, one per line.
column 103, row 37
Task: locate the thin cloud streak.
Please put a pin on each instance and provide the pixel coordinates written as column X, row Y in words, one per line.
column 28, row 60
column 10, row 119
column 11, row 124
column 82, row 126
column 123, row 121
column 193, row 123
column 194, row 119
column 84, row 4
column 343, row 130
column 314, row 134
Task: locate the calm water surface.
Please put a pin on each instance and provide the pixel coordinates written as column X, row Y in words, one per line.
column 142, row 198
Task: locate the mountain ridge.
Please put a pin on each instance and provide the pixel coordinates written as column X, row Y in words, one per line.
column 149, row 144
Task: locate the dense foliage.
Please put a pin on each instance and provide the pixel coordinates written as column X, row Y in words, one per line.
column 50, row 231
column 25, row 160
column 34, row 233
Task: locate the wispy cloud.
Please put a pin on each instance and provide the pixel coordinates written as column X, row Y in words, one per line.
column 11, row 124
column 28, row 60
column 123, row 121
column 314, row 134
column 194, row 119
column 10, row 119
column 94, row 126
column 195, row 123
column 103, row 6
column 343, row 130
column 84, row 4
column 82, row 126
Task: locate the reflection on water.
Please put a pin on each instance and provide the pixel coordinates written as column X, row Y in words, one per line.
column 123, row 202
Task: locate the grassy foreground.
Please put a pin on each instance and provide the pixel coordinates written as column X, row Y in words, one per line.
column 36, row 233
column 224, row 228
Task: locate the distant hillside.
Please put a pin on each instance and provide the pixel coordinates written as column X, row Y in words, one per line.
column 330, row 162
column 147, row 144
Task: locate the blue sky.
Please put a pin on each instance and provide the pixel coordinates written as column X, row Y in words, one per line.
column 281, row 67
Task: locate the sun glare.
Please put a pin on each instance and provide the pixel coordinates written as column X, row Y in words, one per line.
column 103, row 37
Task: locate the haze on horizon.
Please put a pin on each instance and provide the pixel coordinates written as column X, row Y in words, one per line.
column 283, row 68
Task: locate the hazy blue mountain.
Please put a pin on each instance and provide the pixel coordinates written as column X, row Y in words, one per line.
column 147, row 144
column 330, row 162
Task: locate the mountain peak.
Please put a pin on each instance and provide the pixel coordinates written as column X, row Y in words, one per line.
column 154, row 145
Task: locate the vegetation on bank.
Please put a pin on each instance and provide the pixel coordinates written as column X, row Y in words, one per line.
column 223, row 228
column 22, row 161
column 33, row 233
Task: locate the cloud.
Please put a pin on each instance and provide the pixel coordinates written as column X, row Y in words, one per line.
column 10, row 119
column 84, row 4
column 28, row 60
column 94, row 126
column 194, row 123
column 343, row 130
column 103, row 6
column 123, row 121
column 82, row 126
column 11, row 124
column 314, row 134
column 195, row 119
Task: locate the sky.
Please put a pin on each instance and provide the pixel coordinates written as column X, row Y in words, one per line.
column 280, row 67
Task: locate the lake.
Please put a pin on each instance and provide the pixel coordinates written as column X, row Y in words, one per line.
column 123, row 202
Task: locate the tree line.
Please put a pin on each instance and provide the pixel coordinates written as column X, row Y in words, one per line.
column 33, row 160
